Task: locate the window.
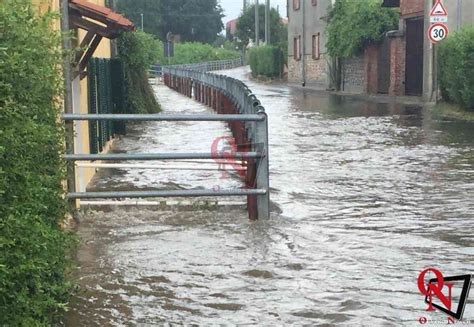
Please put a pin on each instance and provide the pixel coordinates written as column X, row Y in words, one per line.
column 296, row 4
column 297, row 48
column 316, row 50
column 314, row 2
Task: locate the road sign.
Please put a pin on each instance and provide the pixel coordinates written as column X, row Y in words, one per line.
column 438, row 32
column 439, row 14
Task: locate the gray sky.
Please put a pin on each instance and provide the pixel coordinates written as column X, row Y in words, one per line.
column 233, row 8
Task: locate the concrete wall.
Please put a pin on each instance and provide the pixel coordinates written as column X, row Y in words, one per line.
column 81, row 101
column 315, row 22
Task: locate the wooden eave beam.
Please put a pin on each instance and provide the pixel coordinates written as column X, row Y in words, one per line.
column 84, row 45
column 90, row 51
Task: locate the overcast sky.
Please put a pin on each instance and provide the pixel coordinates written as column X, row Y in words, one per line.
column 233, row 8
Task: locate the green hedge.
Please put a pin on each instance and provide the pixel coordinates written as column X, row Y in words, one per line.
column 193, row 52
column 138, row 51
column 266, row 61
column 33, row 248
column 456, row 68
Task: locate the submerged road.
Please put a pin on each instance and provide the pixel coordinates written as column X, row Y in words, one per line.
column 366, row 196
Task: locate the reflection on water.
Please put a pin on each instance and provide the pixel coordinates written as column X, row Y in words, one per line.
column 370, row 194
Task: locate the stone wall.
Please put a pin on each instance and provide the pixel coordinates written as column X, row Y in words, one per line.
column 316, row 71
column 353, row 74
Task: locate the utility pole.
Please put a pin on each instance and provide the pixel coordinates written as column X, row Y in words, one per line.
column 245, row 5
column 114, row 50
column 303, row 62
column 257, row 24
column 142, row 20
column 267, row 22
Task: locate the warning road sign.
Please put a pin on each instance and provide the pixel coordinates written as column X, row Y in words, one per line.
column 438, row 32
column 439, row 14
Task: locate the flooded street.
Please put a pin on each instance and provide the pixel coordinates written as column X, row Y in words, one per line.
column 366, row 195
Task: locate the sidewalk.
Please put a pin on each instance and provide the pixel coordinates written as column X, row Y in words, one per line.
column 378, row 98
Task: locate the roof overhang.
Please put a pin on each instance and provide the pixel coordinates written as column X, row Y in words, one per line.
column 99, row 22
column 391, row 3
column 104, row 21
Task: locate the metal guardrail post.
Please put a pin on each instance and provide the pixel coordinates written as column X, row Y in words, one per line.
column 263, row 180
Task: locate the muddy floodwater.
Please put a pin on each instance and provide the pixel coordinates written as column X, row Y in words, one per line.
column 365, row 196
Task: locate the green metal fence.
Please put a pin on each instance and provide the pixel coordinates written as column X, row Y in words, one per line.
column 106, row 89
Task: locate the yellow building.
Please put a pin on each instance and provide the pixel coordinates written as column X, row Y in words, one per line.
column 94, row 26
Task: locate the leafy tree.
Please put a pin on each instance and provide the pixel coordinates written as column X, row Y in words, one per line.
column 194, row 20
column 356, row 23
column 246, row 25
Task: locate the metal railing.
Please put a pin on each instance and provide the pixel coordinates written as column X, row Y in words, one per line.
column 234, row 104
column 157, row 70
column 231, row 97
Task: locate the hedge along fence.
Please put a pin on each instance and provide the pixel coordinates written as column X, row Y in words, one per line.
column 33, row 248
column 194, row 52
column 138, row 51
column 266, row 61
column 456, row 68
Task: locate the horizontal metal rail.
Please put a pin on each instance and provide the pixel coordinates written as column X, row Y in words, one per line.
column 164, row 194
column 161, row 156
column 160, row 117
column 209, row 65
column 216, row 167
column 166, row 203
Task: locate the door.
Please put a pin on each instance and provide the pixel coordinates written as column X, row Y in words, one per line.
column 414, row 56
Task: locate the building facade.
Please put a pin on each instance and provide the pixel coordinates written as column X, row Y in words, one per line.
column 94, row 26
column 307, row 55
column 231, row 29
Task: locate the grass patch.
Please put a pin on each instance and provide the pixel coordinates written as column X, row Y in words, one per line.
column 449, row 111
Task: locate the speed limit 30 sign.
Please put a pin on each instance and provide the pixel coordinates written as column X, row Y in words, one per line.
column 438, row 32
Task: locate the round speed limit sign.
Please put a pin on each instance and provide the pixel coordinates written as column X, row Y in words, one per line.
column 438, row 32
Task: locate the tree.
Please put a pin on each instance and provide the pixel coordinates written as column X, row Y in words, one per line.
column 246, row 25
column 150, row 9
column 355, row 23
column 193, row 20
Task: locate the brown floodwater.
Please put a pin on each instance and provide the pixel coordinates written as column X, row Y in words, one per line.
column 365, row 196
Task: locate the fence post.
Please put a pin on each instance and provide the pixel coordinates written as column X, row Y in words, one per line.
column 263, row 180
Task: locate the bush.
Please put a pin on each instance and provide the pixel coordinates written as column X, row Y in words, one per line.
column 456, row 68
column 193, row 52
column 354, row 24
column 138, row 51
column 33, row 248
column 266, row 61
